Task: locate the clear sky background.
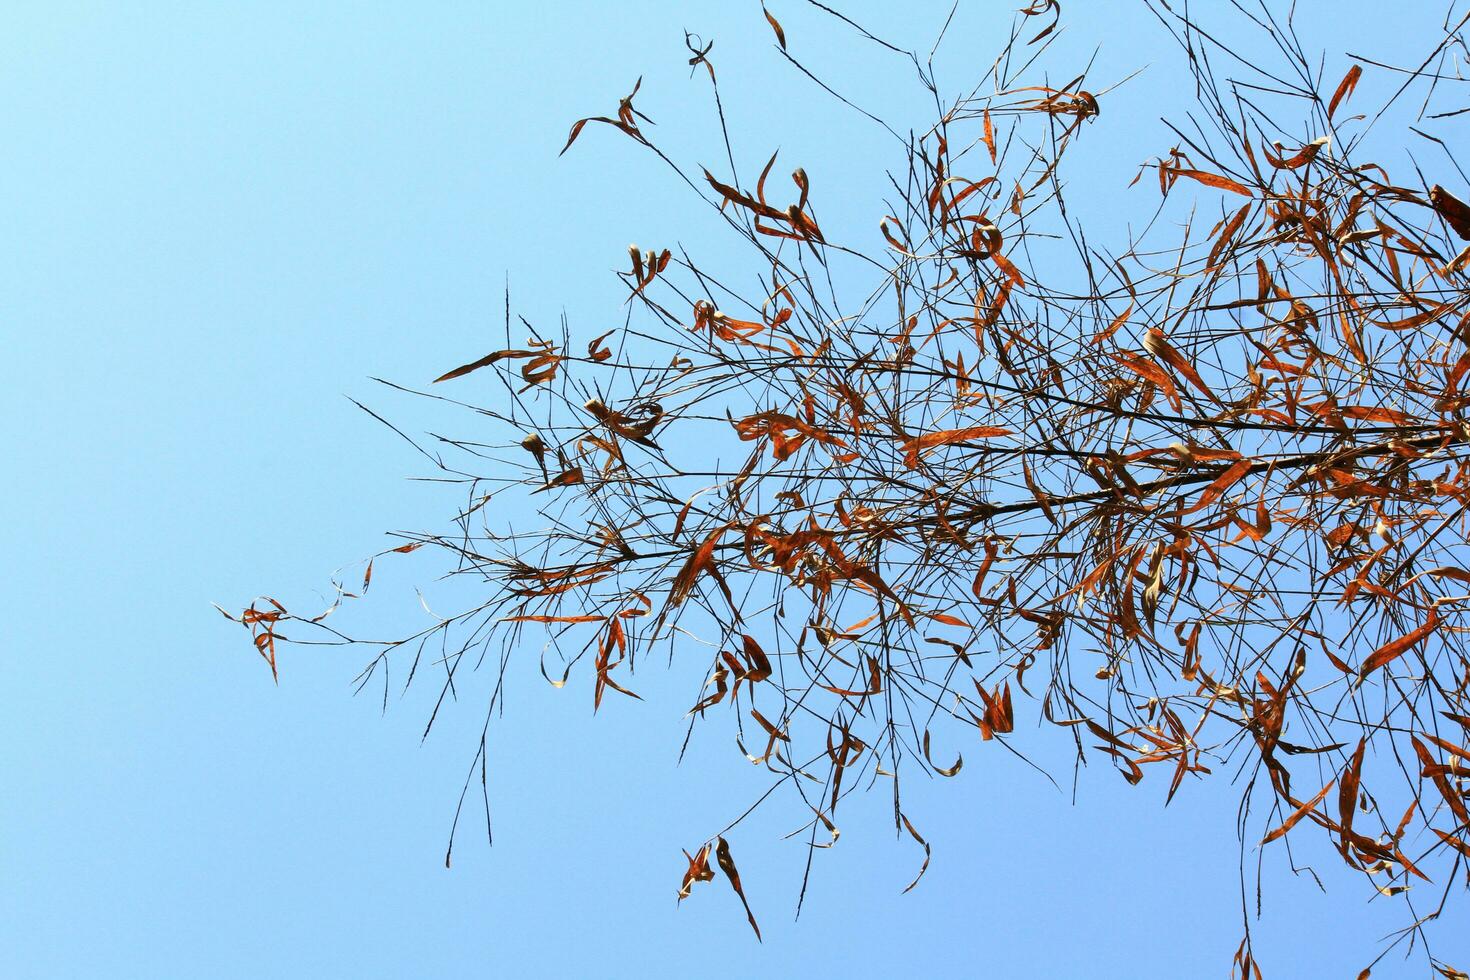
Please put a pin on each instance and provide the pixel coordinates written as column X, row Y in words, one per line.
column 221, row 218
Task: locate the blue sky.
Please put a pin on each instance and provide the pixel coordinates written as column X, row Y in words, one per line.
column 222, row 219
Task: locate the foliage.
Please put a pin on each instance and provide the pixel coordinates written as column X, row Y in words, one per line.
column 1198, row 500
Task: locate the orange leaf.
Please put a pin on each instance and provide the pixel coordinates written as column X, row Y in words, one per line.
column 1223, row 482
column 1212, row 180
column 1344, row 88
column 699, row 870
column 1154, row 343
column 1300, row 812
column 698, row 562
column 1112, row 328
column 948, row 437
column 1391, row 651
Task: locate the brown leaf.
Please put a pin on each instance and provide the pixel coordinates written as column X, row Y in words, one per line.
column 948, row 437
column 771, row 729
column 760, row 665
column 699, row 870
column 1113, row 327
column 1213, row 180
column 1011, row 272
column 1453, row 210
column 727, row 865
column 1347, row 791
column 1297, row 815
column 1041, row 7
column 698, row 562
column 1454, row 842
column 1221, row 483
column 1155, row 343
column 959, row 761
column 775, row 26
column 1227, row 235
column 1344, row 88
column 1151, row 372
column 572, row 136
column 564, row 479
column 1302, row 157
column 485, row 361
column 596, row 350
column 1394, row 649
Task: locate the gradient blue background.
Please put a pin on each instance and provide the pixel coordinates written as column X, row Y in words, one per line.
column 219, row 219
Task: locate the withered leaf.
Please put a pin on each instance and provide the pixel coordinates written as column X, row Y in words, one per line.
column 699, row 870
column 948, row 437
column 928, row 852
column 566, row 478
column 727, row 865
column 485, row 361
column 953, row 770
column 775, row 26
column 1453, row 210
column 1344, row 89
column 1213, row 180
column 1394, row 649
column 1299, row 813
